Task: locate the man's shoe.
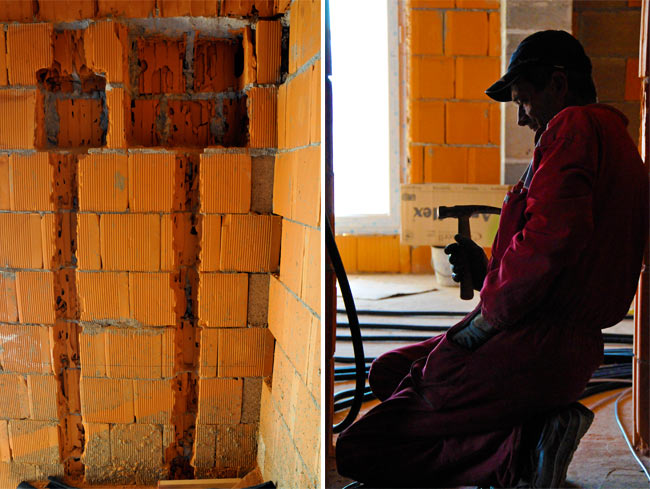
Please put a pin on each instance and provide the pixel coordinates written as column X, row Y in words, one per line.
column 557, row 443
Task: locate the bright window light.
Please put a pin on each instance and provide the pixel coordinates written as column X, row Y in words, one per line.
column 360, row 107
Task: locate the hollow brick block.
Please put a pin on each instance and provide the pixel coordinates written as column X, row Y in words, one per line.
column 36, row 298
column 220, row 401
column 103, row 182
column 426, row 32
column 223, row 299
column 151, row 182
column 103, row 295
column 250, row 243
column 17, row 119
column 466, row 33
column 130, row 242
column 467, row 122
column 432, row 77
column 25, row 349
column 427, row 121
column 29, row 48
column 474, row 76
column 225, row 183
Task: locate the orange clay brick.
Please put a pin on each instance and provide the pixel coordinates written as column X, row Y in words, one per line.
column 494, row 27
column 378, row 254
column 484, row 166
column 232, row 122
column 88, row 242
column 290, row 323
column 243, row 8
column 432, row 3
column 133, row 354
column 477, row 4
column 304, row 33
column 432, row 77
column 315, row 111
column 105, row 51
column 219, row 401
column 168, row 222
column 248, row 75
column 427, row 122
column 25, row 349
column 79, row 124
column 283, row 130
column 305, row 205
column 250, row 243
column 92, row 351
column 298, row 107
column 17, row 10
column 223, row 299
column 421, row 260
column 426, row 32
column 293, row 252
column 103, row 295
column 190, row 123
column 21, row 244
column 262, row 115
column 214, row 65
column 69, row 51
column 53, row 10
column 474, row 76
column 5, row 452
column 466, row 33
column 347, row 246
column 152, row 298
column 103, row 182
column 142, row 130
column 404, row 258
column 161, row 62
column 154, row 401
column 208, row 352
column 29, row 48
column 268, row 43
column 3, row 59
column 632, row 80
column 245, row 352
column 17, row 119
column 416, row 164
column 130, row 242
column 106, row 400
column 225, row 183
column 36, row 299
column 467, row 122
column 126, row 8
column 115, row 104
column 210, row 243
column 445, row 164
column 14, row 402
column 151, row 182
column 42, row 397
column 310, row 291
column 495, row 123
column 192, row 8
column 35, row 442
column 32, row 179
column 284, row 176
column 8, row 301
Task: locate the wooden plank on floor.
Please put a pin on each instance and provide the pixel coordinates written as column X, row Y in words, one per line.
column 199, row 484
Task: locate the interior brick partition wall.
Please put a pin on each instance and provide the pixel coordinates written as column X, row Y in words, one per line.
column 454, row 49
column 138, row 243
column 609, row 31
column 289, row 435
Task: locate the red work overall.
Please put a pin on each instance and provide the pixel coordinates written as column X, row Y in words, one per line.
column 564, row 265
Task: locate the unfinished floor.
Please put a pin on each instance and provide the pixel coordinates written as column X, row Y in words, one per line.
column 602, row 461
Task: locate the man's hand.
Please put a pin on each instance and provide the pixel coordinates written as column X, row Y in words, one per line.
column 476, row 333
column 463, row 254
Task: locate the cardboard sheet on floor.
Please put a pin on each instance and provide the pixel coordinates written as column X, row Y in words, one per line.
column 378, row 287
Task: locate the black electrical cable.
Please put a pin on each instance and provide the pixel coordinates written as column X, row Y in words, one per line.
column 355, row 332
column 352, row 359
column 407, row 327
column 372, row 312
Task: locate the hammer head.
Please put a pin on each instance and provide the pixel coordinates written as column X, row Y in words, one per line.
column 460, row 211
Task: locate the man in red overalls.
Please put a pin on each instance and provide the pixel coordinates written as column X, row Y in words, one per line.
column 493, row 401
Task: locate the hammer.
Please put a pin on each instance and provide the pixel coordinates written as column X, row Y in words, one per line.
column 463, row 213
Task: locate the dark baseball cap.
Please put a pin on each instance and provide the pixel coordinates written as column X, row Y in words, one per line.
column 545, row 48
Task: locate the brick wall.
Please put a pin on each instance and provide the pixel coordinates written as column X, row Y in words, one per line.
column 609, row 32
column 138, row 240
column 289, row 440
column 454, row 49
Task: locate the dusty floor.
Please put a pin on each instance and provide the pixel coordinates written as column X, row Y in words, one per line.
column 602, row 461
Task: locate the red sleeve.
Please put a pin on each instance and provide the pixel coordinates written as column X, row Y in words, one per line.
column 558, row 225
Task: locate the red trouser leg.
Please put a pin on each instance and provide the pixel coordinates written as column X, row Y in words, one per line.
column 457, row 417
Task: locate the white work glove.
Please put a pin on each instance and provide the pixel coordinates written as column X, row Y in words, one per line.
column 475, row 334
